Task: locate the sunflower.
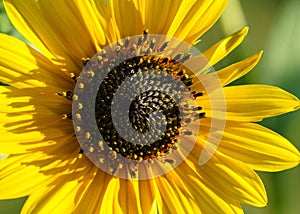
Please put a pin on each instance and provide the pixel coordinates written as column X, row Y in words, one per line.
column 44, row 159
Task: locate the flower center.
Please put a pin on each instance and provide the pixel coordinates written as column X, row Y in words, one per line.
column 133, row 109
column 140, row 110
column 141, row 107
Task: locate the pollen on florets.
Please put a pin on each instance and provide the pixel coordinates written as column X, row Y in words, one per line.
column 135, row 60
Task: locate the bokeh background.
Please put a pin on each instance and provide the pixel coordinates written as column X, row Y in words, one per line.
column 274, row 27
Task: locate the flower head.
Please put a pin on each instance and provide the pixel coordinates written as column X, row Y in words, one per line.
column 186, row 142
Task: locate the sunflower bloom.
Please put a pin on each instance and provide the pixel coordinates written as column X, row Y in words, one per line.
column 46, row 162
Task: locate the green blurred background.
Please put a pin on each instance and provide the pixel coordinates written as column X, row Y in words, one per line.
column 274, row 27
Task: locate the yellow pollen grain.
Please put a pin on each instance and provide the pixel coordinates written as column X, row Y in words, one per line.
column 72, row 75
column 75, row 97
column 91, row 73
column 101, row 160
column 80, row 106
column 100, row 144
column 78, row 116
column 78, row 128
column 113, row 155
column 99, row 58
column 81, row 85
column 91, row 149
column 87, row 135
column 65, row 116
column 85, row 59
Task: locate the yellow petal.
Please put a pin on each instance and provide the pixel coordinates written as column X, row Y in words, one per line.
column 23, row 67
column 258, row 147
column 22, row 120
column 128, row 17
column 194, row 18
column 213, row 201
column 159, row 15
column 185, row 20
column 148, row 191
column 229, row 178
column 225, row 46
column 34, row 141
column 170, row 198
column 251, row 103
column 105, row 18
column 91, row 199
column 194, row 195
column 110, row 202
column 127, row 196
column 22, row 174
column 108, row 194
column 68, row 26
column 17, row 179
column 45, row 37
column 96, row 22
column 17, row 11
column 61, row 192
column 239, row 69
column 17, row 102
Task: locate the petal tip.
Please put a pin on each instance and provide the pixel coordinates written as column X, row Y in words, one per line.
column 298, row 105
column 245, row 30
column 263, row 201
column 258, row 56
